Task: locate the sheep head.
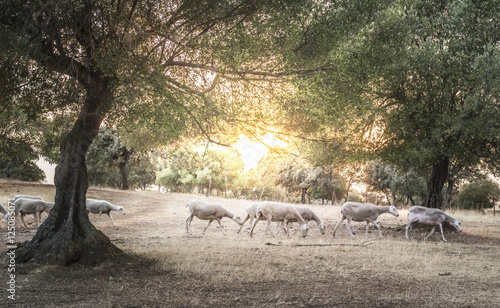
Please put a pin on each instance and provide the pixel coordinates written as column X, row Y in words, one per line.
column 237, row 219
column 121, row 210
column 322, row 228
column 304, row 229
column 393, row 210
column 457, row 224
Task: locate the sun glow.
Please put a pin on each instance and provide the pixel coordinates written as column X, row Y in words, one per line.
column 252, row 152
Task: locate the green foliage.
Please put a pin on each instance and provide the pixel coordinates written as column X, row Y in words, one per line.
column 107, row 154
column 199, row 166
column 480, row 194
column 19, row 143
column 18, row 161
column 355, row 197
column 395, row 183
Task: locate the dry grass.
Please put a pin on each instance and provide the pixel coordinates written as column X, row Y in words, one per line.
column 235, row 270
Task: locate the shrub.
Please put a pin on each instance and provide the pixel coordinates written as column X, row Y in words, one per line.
column 479, row 195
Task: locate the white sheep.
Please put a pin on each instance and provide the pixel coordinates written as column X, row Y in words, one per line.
column 103, row 207
column 274, row 211
column 30, row 206
column 208, row 211
column 433, row 217
column 13, row 199
column 308, row 215
column 363, row 212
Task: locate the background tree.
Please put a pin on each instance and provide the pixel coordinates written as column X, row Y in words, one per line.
column 439, row 98
column 414, row 83
column 111, row 163
column 328, row 186
column 480, row 194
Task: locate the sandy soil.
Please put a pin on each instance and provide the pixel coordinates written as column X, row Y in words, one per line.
column 171, row 268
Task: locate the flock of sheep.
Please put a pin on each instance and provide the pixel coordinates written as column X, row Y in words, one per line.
column 283, row 214
column 24, row 205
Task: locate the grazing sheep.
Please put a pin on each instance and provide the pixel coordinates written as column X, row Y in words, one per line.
column 103, row 207
column 308, row 215
column 433, row 217
column 273, row 211
column 13, row 199
column 363, row 212
column 208, row 211
column 30, row 206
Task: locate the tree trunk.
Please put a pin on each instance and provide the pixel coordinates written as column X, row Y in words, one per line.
column 123, row 157
column 123, row 175
column 434, row 197
column 303, row 199
column 67, row 236
column 447, row 195
column 333, row 197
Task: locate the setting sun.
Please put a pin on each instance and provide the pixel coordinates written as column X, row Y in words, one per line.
column 252, row 152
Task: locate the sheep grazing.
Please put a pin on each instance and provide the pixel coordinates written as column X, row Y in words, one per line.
column 363, row 212
column 103, row 207
column 308, row 215
column 13, row 199
column 280, row 212
column 208, row 211
column 30, row 206
column 433, row 217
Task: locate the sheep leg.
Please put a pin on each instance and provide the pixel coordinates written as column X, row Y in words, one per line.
column 283, row 227
column 207, row 227
column 287, row 227
column 376, row 225
column 442, row 233
column 21, row 222
column 338, row 224
column 276, row 229
column 37, row 219
column 246, row 218
column 348, row 226
column 278, row 225
column 257, row 218
column 112, row 221
column 18, row 220
column 188, row 223
column 432, row 232
column 34, row 219
column 221, row 227
column 99, row 219
column 269, row 226
column 407, row 228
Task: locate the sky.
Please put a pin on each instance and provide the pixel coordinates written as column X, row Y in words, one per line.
column 49, row 169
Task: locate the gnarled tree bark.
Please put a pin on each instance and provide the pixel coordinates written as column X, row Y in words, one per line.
column 67, row 236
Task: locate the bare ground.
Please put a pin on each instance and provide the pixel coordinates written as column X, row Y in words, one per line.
column 167, row 267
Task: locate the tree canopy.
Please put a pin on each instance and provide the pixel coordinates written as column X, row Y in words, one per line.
column 176, row 68
column 417, row 85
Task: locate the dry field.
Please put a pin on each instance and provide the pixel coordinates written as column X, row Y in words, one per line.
column 171, row 268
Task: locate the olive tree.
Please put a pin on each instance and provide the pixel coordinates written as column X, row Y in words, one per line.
column 173, row 68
